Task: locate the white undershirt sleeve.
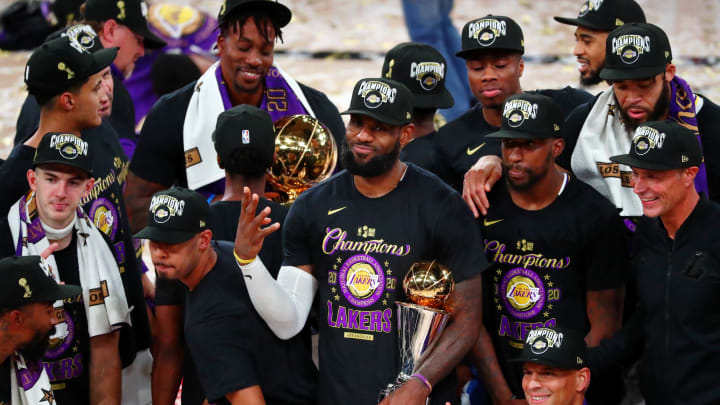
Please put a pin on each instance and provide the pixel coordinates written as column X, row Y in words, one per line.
column 284, row 303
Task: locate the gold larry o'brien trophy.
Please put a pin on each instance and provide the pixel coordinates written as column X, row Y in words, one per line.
column 305, row 154
column 420, row 324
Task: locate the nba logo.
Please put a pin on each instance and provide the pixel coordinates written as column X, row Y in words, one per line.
column 245, row 136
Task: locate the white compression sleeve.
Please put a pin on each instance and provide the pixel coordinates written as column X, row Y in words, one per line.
column 284, row 303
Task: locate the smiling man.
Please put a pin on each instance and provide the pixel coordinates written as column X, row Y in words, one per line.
column 553, row 366
column 492, row 47
column 558, row 247
column 676, row 264
column 594, row 22
column 175, row 145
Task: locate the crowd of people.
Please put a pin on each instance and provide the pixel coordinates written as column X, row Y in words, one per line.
column 571, row 222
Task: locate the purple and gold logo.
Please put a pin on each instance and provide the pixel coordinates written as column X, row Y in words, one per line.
column 362, row 280
column 105, row 217
column 523, row 293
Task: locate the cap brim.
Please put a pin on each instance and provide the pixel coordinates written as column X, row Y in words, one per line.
column 376, row 116
column 442, row 100
column 104, row 58
column 547, row 362
column 631, row 74
column 164, row 235
column 62, row 162
column 512, row 134
column 278, row 12
column 150, row 40
column 633, row 161
column 65, row 291
column 582, row 23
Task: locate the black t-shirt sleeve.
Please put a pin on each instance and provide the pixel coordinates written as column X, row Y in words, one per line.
column 123, row 111
column 169, row 292
column 458, row 240
column 570, row 132
column 297, row 250
column 159, row 155
column 14, row 176
column 224, row 362
column 28, row 120
column 607, row 258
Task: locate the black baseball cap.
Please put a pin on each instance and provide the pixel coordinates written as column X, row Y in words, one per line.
column 383, row 99
column 176, row 215
column 66, row 11
column 60, row 63
column 245, row 127
column 277, row 12
column 662, row 145
column 529, row 116
column 422, row 69
column 636, row 51
column 554, row 347
column 64, row 149
column 83, row 34
column 492, row 32
column 23, row 281
column 130, row 13
column 605, row 15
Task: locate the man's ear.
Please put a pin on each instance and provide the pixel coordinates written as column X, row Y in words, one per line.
column 521, row 66
column 558, row 145
column 204, row 239
column 407, row 133
column 32, row 179
column 582, row 379
column 88, row 186
column 669, row 72
column 220, row 44
column 66, row 101
column 688, row 175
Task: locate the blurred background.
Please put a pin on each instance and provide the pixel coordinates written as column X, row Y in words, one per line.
column 330, row 44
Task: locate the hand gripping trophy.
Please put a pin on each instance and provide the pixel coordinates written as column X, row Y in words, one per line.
column 420, row 323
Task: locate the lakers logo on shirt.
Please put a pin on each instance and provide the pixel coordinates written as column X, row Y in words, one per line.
column 105, row 217
column 362, row 280
column 523, row 293
column 174, row 20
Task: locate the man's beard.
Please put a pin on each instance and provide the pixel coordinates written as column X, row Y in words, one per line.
column 532, row 179
column 376, row 166
column 657, row 114
column 35, row 349
column 592, row 80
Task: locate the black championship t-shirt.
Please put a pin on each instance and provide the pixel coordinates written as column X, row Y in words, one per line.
column 106, row 207
column 361, row 249
column 67, row 361
column 460, row 143
column 544, row 262
column 232, row 346
column 160, row 155
column 5, row 394
column 421, row 151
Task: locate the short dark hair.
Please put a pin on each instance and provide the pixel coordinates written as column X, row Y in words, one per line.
column 45, row 99
column 245, row 162
column 423, row 114
column 237, row 20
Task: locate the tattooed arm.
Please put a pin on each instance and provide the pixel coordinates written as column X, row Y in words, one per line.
column 465, row 304
column 485, row 359
column 604, row 311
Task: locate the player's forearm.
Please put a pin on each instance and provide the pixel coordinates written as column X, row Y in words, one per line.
column 485, row 359
column 604, row 311
column 105, row 370
column 166, row 373
column 246, row 396
column 461, row 333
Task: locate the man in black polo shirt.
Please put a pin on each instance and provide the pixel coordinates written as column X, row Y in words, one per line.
column 422, row 69
column 492, row 47
column 353, row 238
column 246, row 159
column 239, row 360
column 558, row 246
column 27, row 319
column 175, row 145
column 676, row 265
column 594, row 22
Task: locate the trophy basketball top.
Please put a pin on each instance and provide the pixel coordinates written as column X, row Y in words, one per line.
column 428, row 284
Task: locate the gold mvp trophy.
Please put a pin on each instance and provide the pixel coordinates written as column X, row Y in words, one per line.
column 305, row 154
column 420, row 323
